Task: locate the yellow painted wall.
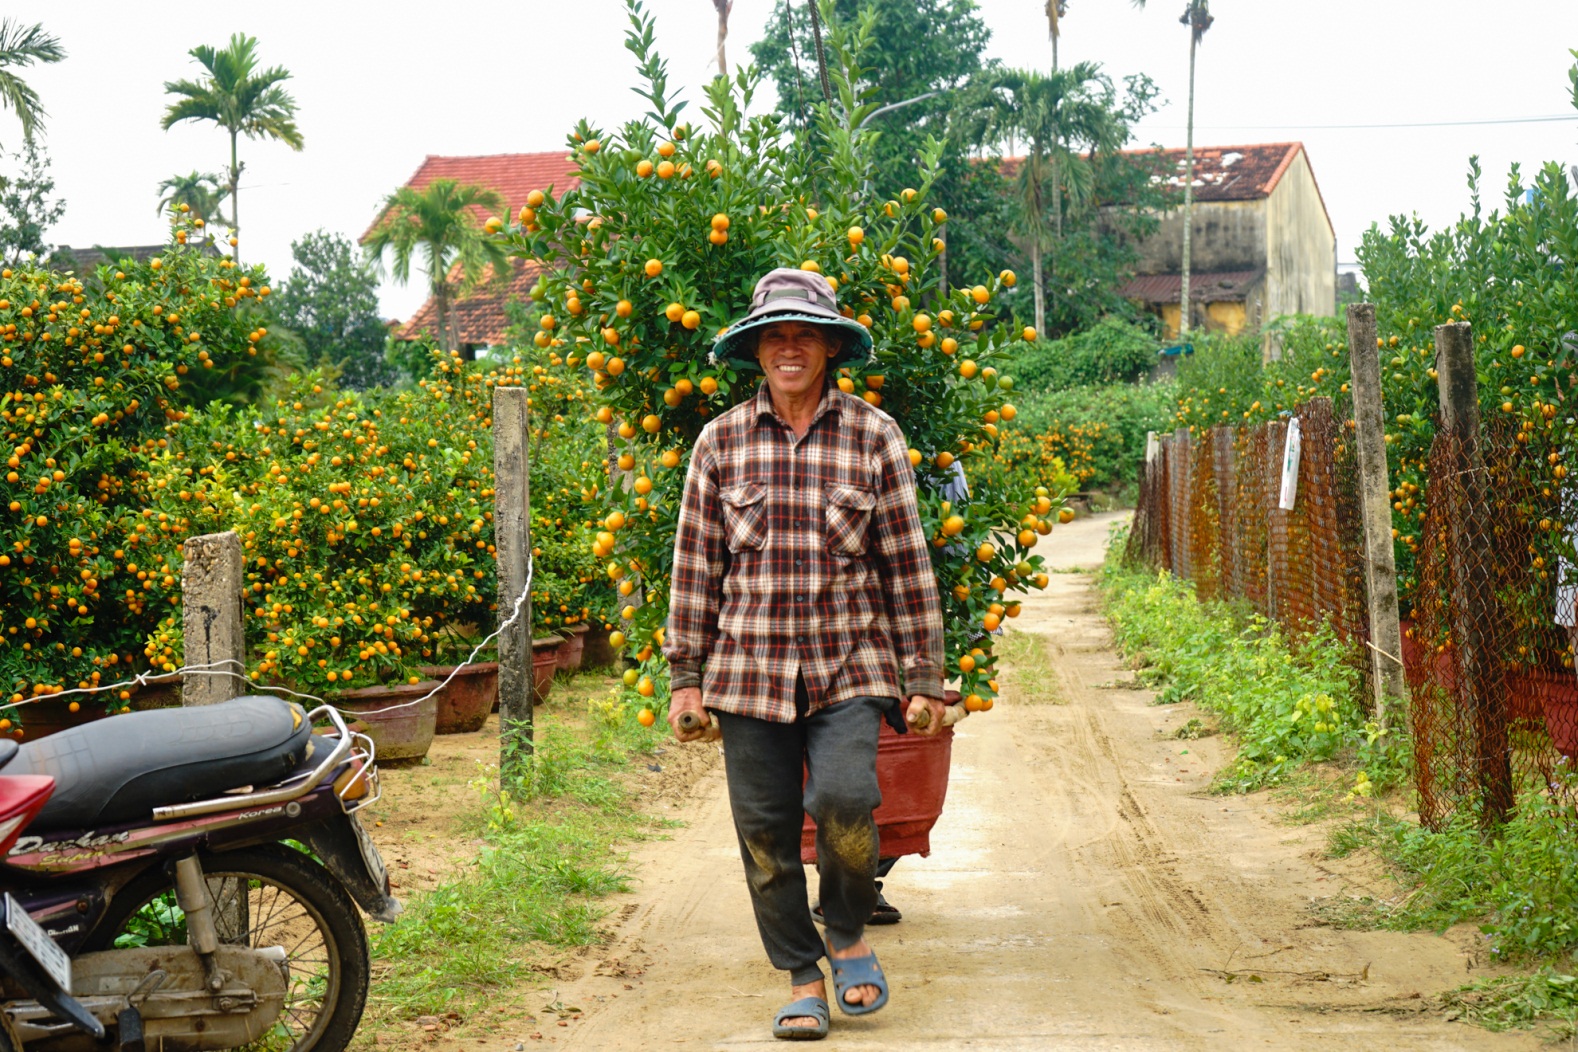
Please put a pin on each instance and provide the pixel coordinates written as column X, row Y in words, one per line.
column 1170, row 315
column 1227, row 317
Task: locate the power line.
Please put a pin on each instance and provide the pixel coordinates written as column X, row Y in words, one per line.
column 1344, row 127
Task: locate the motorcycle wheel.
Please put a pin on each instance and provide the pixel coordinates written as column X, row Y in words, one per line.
column 287, row 899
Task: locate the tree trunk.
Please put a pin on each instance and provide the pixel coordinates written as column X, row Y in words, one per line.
column 1035, row 270
column 235, row 198
column 1188, row 210
column 441, row 302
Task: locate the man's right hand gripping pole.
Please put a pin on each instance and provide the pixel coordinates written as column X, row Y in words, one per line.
column 689, row 721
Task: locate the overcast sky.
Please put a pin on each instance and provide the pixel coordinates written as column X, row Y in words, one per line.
column 380, row 85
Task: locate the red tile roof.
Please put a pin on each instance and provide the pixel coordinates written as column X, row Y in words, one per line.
column 1221, row 173
column 513, row 175
column 1232, row 173
column 480, row 317
column 1224, row 286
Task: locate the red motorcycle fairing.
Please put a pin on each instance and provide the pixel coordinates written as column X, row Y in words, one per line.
column 21, row 797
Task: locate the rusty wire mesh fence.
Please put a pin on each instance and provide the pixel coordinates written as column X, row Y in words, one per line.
column 1487, row 633
column 1494, row 699
column 1208, row 512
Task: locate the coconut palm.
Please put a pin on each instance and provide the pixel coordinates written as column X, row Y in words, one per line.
column 238, row 97
column 22, row 46
column 1065, row 119
column 201, row 192
column 1197, row 16
column 440, row 224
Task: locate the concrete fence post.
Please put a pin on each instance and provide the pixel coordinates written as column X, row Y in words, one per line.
column 1380, row 567
column 512, row 541
column 211, row 615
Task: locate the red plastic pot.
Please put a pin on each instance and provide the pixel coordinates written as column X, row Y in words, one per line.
column 912, row 773
column 1553, row 696
column 464, row 703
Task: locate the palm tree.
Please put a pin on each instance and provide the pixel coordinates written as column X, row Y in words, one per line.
column 1056, row 9
column 724, row 8
column 440, row 223
column 1065, row 119
column 240, row 99
column 22, row 46
column 201, row 192
column 1197, row 16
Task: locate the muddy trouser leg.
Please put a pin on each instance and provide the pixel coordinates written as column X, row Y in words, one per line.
column 763, row 763
column 840, row 795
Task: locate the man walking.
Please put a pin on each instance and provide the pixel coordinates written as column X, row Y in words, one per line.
column 803, row 582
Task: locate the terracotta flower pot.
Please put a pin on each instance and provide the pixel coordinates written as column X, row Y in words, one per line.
column 544, row 663
column 464, row 703
column 402, row 731
column 596, row 651
column 912, row 772
column 574, row 647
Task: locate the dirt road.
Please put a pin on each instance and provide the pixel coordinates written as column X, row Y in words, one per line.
column 1085, row 892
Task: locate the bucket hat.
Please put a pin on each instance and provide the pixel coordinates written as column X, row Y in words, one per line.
column 787, row 294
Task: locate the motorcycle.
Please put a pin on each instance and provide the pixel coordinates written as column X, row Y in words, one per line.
column 185, row 880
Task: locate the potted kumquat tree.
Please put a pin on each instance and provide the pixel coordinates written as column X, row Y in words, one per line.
column 659, row 247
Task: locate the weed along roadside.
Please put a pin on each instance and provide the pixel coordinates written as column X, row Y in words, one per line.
column 506, row 893
column 1297, row 738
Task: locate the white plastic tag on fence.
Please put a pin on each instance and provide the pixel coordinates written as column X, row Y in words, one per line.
column 1153, row 447
column 1290, row 467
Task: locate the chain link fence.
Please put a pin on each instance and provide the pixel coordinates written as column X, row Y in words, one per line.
column 1208, row 512
column 1487, row 642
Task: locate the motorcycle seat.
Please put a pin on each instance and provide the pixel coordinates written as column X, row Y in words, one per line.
column 119, row 769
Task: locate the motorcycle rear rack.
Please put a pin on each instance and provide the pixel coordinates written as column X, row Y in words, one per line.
column 293, row 788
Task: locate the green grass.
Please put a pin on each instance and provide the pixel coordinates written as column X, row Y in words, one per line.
column 1519, row 881
column 1544, row 998
column 1288, row 703
column 1030, row 676
column 549, row 852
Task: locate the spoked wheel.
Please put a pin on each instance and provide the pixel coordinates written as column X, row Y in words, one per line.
column 265, row 896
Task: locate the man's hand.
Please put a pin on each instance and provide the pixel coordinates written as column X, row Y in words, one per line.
column 688, row 699
column 924, row 714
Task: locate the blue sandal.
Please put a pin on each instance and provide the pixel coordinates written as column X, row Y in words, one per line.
column 806, row 1006
column 850, row 972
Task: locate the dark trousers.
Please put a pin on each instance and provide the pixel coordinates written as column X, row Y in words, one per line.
column 838, row 746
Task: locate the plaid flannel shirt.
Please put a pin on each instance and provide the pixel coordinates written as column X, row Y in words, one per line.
column 802, row 555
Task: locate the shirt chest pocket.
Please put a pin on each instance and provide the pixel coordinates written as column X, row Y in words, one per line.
column 847, row 518
column 745, row 516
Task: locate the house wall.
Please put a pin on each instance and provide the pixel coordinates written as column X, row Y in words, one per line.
column 1229, row 316
column 1227, row 235
column 1300, row 248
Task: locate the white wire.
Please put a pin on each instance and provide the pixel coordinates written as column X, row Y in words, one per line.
column 212, row 669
